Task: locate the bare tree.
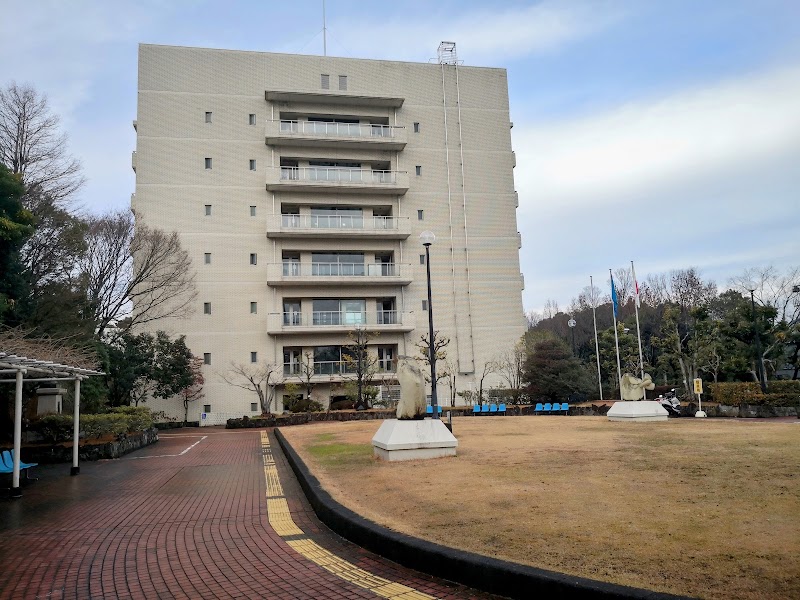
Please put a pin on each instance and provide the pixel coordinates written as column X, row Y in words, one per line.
column 361, row 363
column 550, row 309
column 452, row 372
column 533, row 318
column 260, row 378
column 440, row 343
column 511, row 366
column 134, row 273
column 623, row 282
column 772, row 288
column 489, row 367
column 688, row 290
column 195, row 390
column 32, row 145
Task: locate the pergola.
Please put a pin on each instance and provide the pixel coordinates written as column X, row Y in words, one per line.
column 27, row 369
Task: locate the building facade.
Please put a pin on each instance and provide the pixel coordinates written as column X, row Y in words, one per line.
column 299, row 185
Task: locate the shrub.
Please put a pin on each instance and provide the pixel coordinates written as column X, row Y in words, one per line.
column 138, row 418
column 53, row 428
column 304, row 405
column 342, row 405
column 97, row 426
column 779, row 393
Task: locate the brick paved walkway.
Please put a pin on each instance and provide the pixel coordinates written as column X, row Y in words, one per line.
column 187, row 518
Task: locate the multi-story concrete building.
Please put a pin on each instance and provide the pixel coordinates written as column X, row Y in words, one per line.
column 299, row 186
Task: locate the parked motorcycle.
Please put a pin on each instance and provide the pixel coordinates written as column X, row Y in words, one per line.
column 670, row 403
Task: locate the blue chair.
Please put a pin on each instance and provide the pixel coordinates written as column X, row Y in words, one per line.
column 429, row 410
column 476, row 409
column 485, row 409
column 493, row 408
column 7, row 465
column 556, row 407
column 565, row 407
column 547, row 407
column 502, row 408
column 539, row 408
column 439, row 406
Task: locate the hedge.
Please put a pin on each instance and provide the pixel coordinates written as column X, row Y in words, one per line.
column 118, row 422
column 779, row 393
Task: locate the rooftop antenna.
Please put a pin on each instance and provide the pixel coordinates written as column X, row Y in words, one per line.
column 447, row 53
column 324, row 32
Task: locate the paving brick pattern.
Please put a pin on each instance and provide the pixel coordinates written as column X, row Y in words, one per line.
column 161, row 524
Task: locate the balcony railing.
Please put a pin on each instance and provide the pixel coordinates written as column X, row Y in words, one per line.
column 289, row 132
column 352, row 179
column 295, row 273
column 360, row 130
column 377, row 227
column 337, row 175
column 339, row 321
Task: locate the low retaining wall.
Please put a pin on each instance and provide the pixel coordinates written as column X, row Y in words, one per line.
column 480, row 572
column 309, row 417
column 62, row 453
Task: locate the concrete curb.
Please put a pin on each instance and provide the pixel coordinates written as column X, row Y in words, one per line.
column 480, row 572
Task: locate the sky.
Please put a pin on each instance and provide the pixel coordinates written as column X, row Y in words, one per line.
column 665, row 132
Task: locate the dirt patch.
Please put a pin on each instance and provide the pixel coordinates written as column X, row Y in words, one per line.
column 706, row 508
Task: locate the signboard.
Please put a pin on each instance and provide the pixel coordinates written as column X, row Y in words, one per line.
column 698, row 386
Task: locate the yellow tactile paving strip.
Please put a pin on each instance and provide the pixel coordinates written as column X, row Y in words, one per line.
column 283, row 524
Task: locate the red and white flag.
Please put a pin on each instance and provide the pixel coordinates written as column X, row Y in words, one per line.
column 636, row 287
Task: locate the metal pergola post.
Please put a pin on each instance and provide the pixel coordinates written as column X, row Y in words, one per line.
column 15, row 492
column 76, row 428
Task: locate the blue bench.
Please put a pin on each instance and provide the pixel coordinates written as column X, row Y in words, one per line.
column 7, row 464
column 476, row 409
column 556, row 407
column 547, row 407
column 485, row 409
column 502, row 408
column 539, row 408
column 565, row 407
column 429, row 410
column 493, row 408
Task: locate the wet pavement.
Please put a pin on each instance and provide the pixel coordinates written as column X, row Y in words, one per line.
column 203, row 513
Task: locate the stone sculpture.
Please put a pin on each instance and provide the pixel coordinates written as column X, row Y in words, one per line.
column 412, row 390
column 633, row 387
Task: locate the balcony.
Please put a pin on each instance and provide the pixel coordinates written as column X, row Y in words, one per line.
column 325, row 371
column 331, row 226
column 327, row 274
column 133, row 161
column 362, row 136
column 337, row 180
column 391, row 321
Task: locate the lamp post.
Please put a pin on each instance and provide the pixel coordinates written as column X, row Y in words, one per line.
column 760, row 363
column 572, row 324
column 427, row 238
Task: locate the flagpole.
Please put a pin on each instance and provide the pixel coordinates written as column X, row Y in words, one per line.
column 638, row 332
column 596, row 343
column 616, row 337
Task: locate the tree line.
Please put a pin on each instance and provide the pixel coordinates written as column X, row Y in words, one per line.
column 689, row 329
column 70, row 276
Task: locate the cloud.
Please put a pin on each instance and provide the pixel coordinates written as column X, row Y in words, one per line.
column 641, row 144
column 482, row 36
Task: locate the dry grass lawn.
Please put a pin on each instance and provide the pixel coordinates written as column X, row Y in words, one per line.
column 708, row 508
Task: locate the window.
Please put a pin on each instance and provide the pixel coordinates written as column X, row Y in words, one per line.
column 252, row 211
column 291, row 361
column 424, row 305
column 343, row 82
column 386, row 355
column 333, row 264
column 208, row 210
column 252, row 165
column 325, row 81
column 416, row 127
column 206, row 408
column 206, row 308
column 420, row 215
column 208, row 117
column 254, row 308
column 292, row 315
column 252, row 119
column 207, row 361
column 418, row 169
column 253, row 406
column 253, row 357
column 253, row 258
column 422, row 259
column 207, row 258
column 208, row 163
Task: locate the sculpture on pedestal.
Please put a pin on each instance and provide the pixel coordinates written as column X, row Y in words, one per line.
column 633, row 387
column 412, row 390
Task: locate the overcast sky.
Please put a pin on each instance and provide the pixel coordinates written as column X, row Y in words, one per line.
column 664, row 132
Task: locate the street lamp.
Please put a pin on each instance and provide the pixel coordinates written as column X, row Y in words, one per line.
column 572, row 324
column 427, row 238
column 760, row 363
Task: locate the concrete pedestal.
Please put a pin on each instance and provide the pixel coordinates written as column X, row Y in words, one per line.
column 413, row 440
column 642, row 410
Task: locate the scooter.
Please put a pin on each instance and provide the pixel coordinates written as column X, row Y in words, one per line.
column 671, row 403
